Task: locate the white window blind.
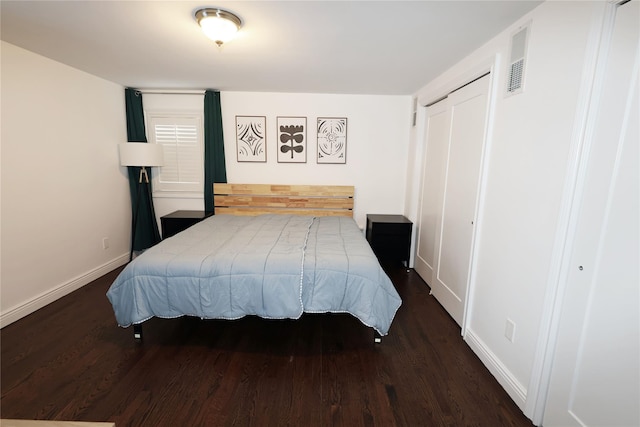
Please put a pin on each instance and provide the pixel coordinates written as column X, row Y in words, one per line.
column 182, row 140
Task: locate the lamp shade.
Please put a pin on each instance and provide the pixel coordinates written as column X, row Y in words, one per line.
column 141, row 154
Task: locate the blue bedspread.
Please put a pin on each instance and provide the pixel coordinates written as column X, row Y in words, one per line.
column 272, row 266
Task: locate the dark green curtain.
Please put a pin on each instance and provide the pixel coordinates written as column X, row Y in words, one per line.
column 146, row 233
column 214, row 163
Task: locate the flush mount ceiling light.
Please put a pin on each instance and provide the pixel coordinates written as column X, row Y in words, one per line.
column 217, row 24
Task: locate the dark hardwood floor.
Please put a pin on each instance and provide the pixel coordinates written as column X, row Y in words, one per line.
column 69, row 361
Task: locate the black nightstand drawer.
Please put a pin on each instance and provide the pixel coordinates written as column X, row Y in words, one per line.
column 391, row 229
column 390, row 236
column 178, row 221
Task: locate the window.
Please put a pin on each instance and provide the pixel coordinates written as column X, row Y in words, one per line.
column 181, row 136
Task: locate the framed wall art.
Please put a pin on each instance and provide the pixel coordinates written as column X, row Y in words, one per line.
column 292, row 139
column 251, row 138
column 332, row 140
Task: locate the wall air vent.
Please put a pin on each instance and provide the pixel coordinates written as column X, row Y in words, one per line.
column 517, row 60
column 515, row 76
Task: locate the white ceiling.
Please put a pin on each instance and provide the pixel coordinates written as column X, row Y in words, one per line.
column 348, row 47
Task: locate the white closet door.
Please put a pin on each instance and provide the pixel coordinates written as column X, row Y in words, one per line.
column 595, row 379
column 450, row 193
column 436, row 138
column 454, row 243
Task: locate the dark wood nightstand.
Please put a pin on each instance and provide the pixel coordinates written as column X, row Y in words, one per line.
column 390, row 237
column 177, row 221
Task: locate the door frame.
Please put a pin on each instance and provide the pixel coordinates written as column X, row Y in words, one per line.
column 431, row 96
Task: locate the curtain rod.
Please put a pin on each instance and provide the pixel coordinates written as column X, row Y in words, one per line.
column 171, row 92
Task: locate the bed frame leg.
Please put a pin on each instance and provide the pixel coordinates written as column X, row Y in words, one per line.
column 137, row 332
column 377, row 338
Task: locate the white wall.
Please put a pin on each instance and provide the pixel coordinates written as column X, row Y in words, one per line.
column 62, row 188
column 529, row 150
column 377, row 146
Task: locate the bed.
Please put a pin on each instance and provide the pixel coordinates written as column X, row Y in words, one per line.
column 274, row 251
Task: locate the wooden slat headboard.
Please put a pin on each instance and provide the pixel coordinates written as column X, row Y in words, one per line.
column 257, row 199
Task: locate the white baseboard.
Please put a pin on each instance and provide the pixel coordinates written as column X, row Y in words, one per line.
column 18, row 312
column 512, row 386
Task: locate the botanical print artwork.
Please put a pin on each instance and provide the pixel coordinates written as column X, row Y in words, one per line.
column 251, row 138
column 332, row 140
column 292, row 139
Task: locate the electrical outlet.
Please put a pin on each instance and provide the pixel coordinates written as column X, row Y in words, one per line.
column 510, row 330
column 105, row 243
